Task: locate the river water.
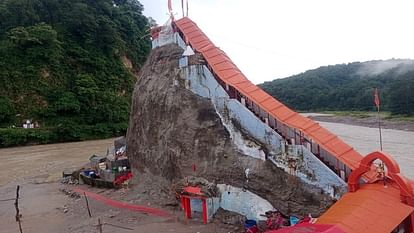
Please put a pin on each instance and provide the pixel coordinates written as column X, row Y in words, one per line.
column 399, row 144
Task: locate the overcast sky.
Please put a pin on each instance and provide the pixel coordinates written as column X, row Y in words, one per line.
column 269, row 39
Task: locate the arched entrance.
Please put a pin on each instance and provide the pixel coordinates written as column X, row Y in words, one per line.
column 406, row 189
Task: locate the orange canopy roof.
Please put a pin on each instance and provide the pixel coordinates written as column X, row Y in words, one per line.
column 373, row 208
column 228, row 72
column 193, row 190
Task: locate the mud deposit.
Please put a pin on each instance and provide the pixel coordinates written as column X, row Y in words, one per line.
column 46, row 209
column 172, row 131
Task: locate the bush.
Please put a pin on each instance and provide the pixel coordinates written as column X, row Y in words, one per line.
column 6, row 110
column 20, row 136
column 67, row 131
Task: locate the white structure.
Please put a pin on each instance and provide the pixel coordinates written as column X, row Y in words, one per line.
column 309, row 168
column 237, row 200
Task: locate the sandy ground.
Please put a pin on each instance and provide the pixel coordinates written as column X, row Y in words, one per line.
column 45, row 209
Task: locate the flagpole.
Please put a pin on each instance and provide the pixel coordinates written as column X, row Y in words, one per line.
column 377, row 103
column 182, row 7
column 381, row 167
column 379, row 127
column 384, row 178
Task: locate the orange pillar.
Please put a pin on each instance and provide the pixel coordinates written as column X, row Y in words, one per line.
column 204, row 211
column 188, row 207
column 411, row 223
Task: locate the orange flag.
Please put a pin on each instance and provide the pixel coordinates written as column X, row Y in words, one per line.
column 376, row 98
column 169, row 6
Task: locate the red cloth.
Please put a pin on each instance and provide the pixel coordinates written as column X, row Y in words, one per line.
column 274, row 222
column 123, row 178
column 123, row 205
column 306, row 219
column 253, row 229
column 309, row 228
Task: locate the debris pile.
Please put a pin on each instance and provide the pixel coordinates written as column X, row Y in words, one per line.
column 110, row 171
column 70, row 193
column 69, row 180
column 229, row 218
column 207, row 188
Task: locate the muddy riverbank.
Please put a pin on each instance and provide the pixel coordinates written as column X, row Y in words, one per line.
column 370, row 121
column 363, row 135
column 46, row 209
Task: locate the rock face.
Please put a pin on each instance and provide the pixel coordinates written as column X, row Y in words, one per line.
column 174, row 133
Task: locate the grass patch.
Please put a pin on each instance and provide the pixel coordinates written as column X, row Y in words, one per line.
column 365, row 114
column 400, row 118
column 357, row 114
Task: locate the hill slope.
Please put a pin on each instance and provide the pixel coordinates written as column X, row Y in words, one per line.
column 349, row 87
column 69, row 65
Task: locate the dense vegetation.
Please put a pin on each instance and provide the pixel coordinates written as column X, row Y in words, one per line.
column 349, row 87
column 68, row 65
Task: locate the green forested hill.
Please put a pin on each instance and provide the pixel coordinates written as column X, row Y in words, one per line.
column 68, row 65
column 349, row 87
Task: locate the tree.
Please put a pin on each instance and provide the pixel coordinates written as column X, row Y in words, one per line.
column 348, row 87
column 401, row 98
column 39, row 42
column 61, row 61
column 7, row 112
column 67, row 104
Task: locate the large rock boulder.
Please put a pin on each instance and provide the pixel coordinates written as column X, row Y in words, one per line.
column 172, row 131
